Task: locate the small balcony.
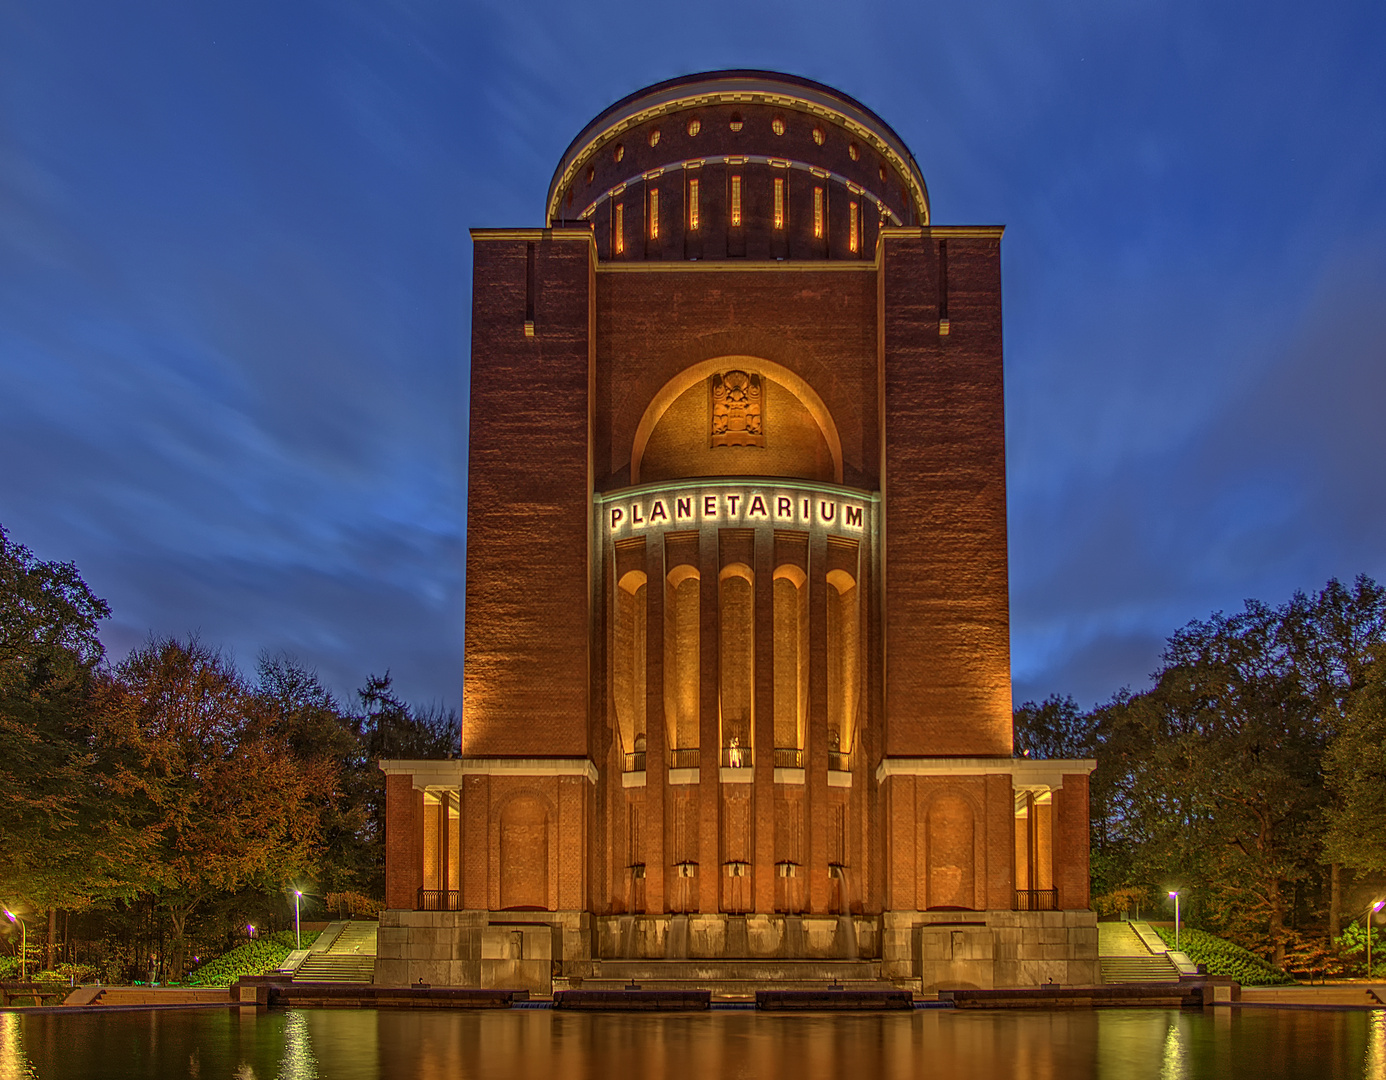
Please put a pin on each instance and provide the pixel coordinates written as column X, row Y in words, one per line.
column 1036, row 900
column 440, row 900
column 736, row 757
column 789, row 757
column 686, row 758
column 634, row 762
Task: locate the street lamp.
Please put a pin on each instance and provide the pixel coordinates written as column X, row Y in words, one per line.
column 23, row 940
column 298, row 937
column 1175, row 897
column 1370, row 912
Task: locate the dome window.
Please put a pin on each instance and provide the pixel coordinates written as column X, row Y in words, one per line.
column 654, row 137
column 854, row 151
column 818, row 136
column 777, row 125
column 619, row 152
column 736, row 121
column 694, row 126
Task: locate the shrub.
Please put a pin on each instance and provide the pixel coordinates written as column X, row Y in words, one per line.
column 258, row 957
column 1224, row 958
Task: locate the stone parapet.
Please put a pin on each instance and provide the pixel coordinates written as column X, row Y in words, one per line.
column 512, row 950
column 990, row 949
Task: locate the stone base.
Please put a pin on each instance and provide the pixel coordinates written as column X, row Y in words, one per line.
column 737, row 937
column 485, row 950
column 926, row 950
column 983, row 950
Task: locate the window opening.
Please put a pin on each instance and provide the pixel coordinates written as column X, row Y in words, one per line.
column 818, row 213
column 853, row 227
column 779, row 202
column 618, row 229
column 736, row 201
column 693, row 204
column 654, row 213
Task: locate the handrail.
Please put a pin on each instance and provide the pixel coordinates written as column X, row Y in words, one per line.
column 789, row 757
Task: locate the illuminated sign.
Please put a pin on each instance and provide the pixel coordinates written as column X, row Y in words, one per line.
column 734, row 506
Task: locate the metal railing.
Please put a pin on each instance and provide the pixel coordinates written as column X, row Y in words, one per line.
column 687, row 758
column 635, row 762
column 1036, row 900
column 736, row 757
column 789, row 757
column 440, row 900
column 839, row 762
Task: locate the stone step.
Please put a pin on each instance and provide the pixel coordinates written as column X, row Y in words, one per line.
column 336, row 968
column 822, row 972
column 1131, row 969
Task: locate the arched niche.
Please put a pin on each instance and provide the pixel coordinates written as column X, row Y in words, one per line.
column 628, row 658
column 524, row 854
column 682, row 657
column 672, row 438
column 736, row 657
column 950, row 844
column 791, row 654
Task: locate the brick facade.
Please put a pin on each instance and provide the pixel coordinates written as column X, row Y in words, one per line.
column 751, row 671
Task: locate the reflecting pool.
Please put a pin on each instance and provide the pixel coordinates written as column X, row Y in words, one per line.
column 1265, row 1044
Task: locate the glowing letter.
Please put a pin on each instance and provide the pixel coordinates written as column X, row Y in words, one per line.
column 616, row 515
column 635, row 518
column 827, row 511
column 657, row 512
column 854, row 516
column 757, row 507
column 683, row 508
column 709, row 506
column 784, row 507
column 733, row 499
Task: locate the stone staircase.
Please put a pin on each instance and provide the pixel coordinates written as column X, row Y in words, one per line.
column 734, row 978
column 349, row 958
column 1127, row 956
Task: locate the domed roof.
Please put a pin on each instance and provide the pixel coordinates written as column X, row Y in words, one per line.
column 905, row 199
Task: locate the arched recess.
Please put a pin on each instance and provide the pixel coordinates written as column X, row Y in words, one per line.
column 736, row 655
column 791, row 650
column 628, row 658
column 524, row 854
column 950, row 843
column 682, row 610
column 844, row 660
column 700, row 372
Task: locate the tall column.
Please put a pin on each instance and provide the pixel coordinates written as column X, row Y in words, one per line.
column 816, row 774
column 763, row 793
column 656, row 744
column 709, row 735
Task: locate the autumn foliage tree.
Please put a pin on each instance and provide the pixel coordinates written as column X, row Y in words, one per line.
column 208, row 767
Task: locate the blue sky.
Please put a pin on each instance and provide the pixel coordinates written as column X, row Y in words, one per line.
column 235, row 288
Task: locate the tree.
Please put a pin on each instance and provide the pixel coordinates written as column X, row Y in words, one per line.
column 209, row 763
column 1055, row 728
column 63, row 836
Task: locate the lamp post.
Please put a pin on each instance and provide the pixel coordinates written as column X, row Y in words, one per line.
column 23, row 941
column 1175, row 897
column 298, row 937
column 1370, row 912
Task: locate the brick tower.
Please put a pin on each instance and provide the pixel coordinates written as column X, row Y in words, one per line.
column 737, row 670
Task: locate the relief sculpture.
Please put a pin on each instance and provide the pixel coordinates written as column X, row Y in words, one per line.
column 737, row 412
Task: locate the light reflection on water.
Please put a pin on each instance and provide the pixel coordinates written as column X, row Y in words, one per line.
column 1123, row 1044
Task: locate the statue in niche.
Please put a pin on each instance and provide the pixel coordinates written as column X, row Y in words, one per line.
column 737, row 412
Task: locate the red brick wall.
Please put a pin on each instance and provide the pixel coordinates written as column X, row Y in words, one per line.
column 525, row 689
column 403, row 841
column 947, row 626
column 1071, row 840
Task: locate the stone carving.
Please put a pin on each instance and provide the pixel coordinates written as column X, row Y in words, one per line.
column 737, row 412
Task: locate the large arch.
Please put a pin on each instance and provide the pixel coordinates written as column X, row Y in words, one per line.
column 691, row 376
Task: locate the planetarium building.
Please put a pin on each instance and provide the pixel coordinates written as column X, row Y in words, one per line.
column 737, row 699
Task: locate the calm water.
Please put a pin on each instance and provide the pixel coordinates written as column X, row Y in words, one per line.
column 340, row 1045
